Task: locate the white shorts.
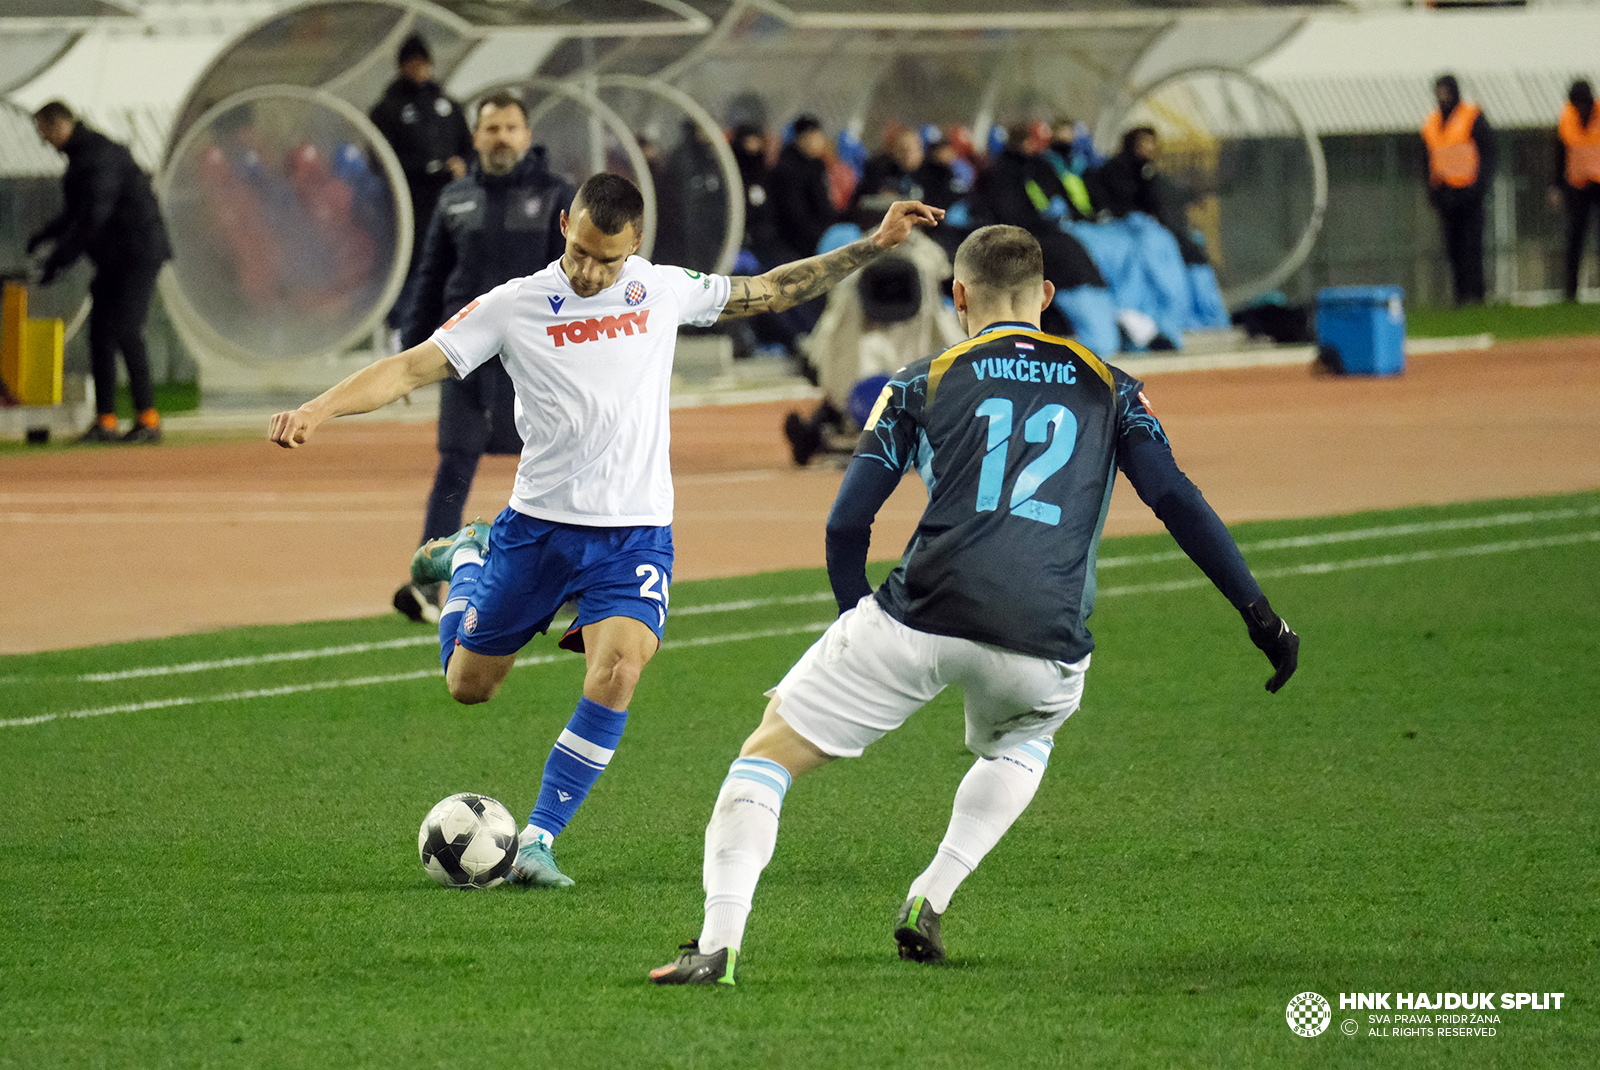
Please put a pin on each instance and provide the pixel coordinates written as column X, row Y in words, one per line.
column 869, row 673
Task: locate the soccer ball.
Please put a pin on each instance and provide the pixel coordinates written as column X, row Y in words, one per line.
column 468, row 841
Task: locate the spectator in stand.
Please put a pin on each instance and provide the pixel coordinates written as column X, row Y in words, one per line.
column 800, row 189
column 940, row 177
column 428, row 134
column 1131, row 181
column 1012, row 191
column 1577, row 177
column 1126, row 182
column 801, row 201
column 111, row 216
column 896, row 169
column 1069, row 154
column 501, row 221
column 1461, row 162
column 749, row 145
column 761, row 250
column 692, row 206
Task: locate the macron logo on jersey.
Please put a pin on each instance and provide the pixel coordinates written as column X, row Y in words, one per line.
column 588, row 330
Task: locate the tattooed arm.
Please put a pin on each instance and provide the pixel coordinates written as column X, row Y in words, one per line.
column 795, row 283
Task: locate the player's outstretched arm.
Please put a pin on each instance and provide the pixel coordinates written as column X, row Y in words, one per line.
column 1200, row 533
column 1273, row 637
column 795, row 283
column 370, row 388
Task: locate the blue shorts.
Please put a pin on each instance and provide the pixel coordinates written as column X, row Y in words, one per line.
column 534, row 567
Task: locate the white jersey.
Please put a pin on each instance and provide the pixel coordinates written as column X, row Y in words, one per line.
column 592, row 376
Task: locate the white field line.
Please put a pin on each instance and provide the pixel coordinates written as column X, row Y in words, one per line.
column 212, row 516
column 231, row 696
column 370, row 681
column 105, row 492
column 1312, row 568
column 1390, row 531
column 258, row 659
column 1328, row 538
column 410, row 641
column 753, row 603
column 1317, row 568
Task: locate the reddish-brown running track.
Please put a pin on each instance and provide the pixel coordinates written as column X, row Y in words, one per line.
column 111, row 544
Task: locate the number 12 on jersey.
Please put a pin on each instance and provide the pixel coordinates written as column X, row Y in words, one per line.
column 1054, row 424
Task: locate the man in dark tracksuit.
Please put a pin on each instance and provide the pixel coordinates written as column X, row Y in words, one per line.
column 798, row 188
column 1011, row 193
column 429, row 136
column 500, row 222
column 1130, row 182
column 111, row 216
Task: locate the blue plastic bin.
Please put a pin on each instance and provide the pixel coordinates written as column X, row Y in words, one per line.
column 1366, row 326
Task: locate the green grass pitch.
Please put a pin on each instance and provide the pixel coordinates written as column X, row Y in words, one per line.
column 213, row 863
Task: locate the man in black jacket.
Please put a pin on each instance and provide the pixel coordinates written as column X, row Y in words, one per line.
column 1131, row 182
column 802, row 209
column 110, row 215
column 500, row 222
column 895, row 170
column 428, row 133
column 801, row 205
column 1012, row 193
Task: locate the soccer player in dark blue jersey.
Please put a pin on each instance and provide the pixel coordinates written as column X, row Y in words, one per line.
column 1018, row 435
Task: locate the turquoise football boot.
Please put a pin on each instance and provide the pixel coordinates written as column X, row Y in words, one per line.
column 431, row 562
column 536, row 867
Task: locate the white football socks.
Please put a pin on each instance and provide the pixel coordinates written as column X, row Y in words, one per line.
column 739, row 842
column 992, row 795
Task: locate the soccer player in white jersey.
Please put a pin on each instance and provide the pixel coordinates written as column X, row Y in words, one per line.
column 588, row 343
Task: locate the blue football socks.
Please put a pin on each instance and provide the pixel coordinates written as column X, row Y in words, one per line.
column 575, row 763
column 463, row 581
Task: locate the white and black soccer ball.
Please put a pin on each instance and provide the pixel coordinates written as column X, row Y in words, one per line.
column 468, row 841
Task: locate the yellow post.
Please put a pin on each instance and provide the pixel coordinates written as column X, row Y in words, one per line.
column 39, row 378
column 30, row 350
column 13, row 325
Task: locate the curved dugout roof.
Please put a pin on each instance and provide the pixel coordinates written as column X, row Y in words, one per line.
column 36, row 33
column 347, row 47
column 857, row 65
column 863, row 69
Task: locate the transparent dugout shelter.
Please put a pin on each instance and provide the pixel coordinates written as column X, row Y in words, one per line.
column 1253, row 166
column 288, row 236
column 648, row 88
column 289, row 215
column 1239, row 146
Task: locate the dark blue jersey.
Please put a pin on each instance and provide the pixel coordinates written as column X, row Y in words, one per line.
column 1018, row 435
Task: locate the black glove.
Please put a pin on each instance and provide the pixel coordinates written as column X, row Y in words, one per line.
column 1275, row 639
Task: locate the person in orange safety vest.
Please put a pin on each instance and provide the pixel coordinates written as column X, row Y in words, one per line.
column 1461, row 161
column 1577, row 179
